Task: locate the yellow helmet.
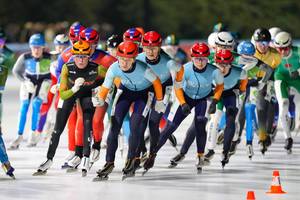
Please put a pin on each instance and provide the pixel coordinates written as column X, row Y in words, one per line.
column 81, row 48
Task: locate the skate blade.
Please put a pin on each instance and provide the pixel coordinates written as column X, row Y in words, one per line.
column 39, row 173
column 206, row 162
column 13, row 148
column 100, row 178
column 66, row 166
column 71, row 170
column 144, row 172
column 125, row 176
column 289, row 152
column 172, row 165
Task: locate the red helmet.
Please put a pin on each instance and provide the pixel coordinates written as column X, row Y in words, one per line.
column 133, row 35
column 223, row 56
column 74, row 31
column 200, row 50
column 90, row 35
column 152, row 38
column 127, row 49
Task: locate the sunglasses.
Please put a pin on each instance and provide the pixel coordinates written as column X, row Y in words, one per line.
column 81, row 56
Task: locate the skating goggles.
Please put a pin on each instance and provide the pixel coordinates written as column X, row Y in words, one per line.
column 224, row 46
column 81, row 56
column 263, row 43
column 200, row 59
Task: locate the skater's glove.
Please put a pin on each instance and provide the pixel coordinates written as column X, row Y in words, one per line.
column 78, row 83
column 54, row 88
column 160, row 107
column 29, row 86
column 212, row 106
column 186, row 109
column 295, row 75
column 97, row 101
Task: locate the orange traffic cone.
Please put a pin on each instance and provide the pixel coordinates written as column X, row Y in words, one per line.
column 276, row 184
column 250, row 195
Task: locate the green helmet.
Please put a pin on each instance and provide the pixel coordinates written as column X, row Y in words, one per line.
column 171, row 40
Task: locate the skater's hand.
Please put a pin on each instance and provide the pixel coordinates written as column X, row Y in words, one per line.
column 212, row 106
column 160, row 107
column 77, row 84
column 295, row 75
column 29, row 86
column 186, row 109
column 54, row 88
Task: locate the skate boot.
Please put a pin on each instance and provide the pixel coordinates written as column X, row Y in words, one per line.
column 224, row 159
column 137, row 164
column 175, row 160
column 264, row 144
column 16, row 143
column 95, row 156
column 67, row 159
column 233, row 147
column 42, row 170
column 144, row 157
column 104, row 172
column 220, row 137
column 35, row 137
column 149, row 163
column 86, row 166
column 209, row 156
column 8, row 169
column 250, row 151
column 288, row 145
column 173, row 141
column 74, row 163
column 200, row 164
column 129, row 169
column 273, row 132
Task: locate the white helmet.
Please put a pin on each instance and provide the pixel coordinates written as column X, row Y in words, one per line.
column 225, row 39
column 211, row 40
column 282, row 39
column 61, row 39
column 273, row 31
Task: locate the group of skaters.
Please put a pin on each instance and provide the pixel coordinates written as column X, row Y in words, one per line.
column 142, row 87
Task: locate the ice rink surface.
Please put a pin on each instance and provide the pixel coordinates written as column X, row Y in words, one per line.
column 238, row 177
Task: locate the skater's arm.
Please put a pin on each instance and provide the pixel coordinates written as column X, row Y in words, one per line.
column 178, row 86
column 150, row 76
column 19, row 68
column 64, row 91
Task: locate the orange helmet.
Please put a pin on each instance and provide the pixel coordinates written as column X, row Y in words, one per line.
column 127, row 49
column 81, row 48
column 140, row 29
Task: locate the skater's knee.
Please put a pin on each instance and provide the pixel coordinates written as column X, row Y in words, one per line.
column 231, row 111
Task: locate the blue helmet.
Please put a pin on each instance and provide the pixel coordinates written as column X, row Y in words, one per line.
column 246, row 48
column 37, row 40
